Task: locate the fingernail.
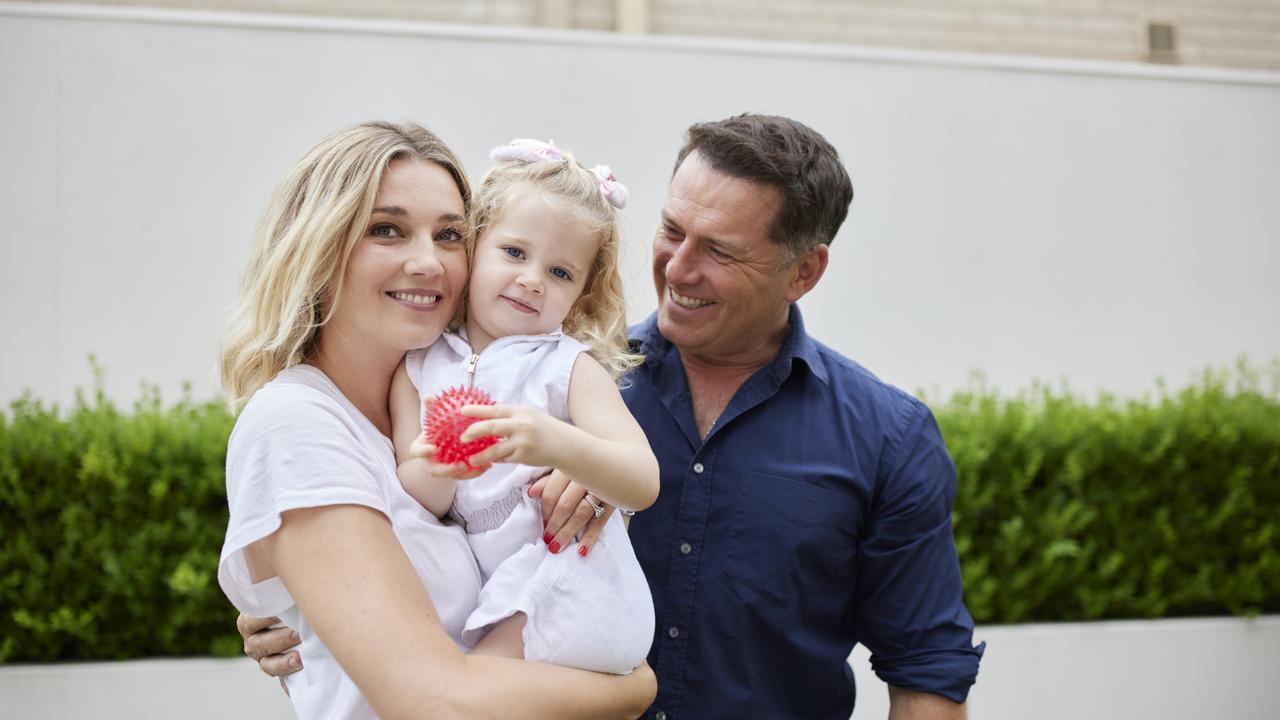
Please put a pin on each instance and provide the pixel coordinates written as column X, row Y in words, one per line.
column 295, row 661
column 583, row 550
column 529, row 492
column 295, row 637
column 554, row 547
column 546, row 538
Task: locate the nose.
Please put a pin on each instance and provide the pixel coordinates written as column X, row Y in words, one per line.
column 530, row 279
column 681, row 267
column 423, row 259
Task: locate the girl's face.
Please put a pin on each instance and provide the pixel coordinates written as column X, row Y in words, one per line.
column 529, row 268
column 406, row 273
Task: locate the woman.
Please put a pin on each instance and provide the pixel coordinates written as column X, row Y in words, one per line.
column 359, row 258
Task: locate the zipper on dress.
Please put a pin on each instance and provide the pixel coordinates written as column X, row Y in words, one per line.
column 471, row 369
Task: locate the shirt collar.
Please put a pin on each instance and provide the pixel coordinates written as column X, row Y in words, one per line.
column 797, row 345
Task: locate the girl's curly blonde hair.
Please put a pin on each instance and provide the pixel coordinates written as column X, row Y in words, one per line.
column 598, row 318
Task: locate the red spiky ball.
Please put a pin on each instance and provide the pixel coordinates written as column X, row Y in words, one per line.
column 444, row 424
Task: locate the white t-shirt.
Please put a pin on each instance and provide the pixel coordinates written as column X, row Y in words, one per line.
column 300, row 443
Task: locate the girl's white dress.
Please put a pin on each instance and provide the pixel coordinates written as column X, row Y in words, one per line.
column 593, row 613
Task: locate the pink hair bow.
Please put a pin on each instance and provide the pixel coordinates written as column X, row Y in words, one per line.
column 531, row 151
column 526, row 150
column 614, row 191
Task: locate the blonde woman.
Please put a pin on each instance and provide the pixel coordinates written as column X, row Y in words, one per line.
column 545, row 336
column 359, row 258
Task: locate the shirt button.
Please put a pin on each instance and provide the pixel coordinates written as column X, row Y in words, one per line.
column 659, row 715
column 685, row 548
column 673, row 632
column 697, row 467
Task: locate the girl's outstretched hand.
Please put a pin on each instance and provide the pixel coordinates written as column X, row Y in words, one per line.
column 566, row 513
column 529, row 437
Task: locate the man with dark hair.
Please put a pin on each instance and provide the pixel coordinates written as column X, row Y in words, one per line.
column 805, row 505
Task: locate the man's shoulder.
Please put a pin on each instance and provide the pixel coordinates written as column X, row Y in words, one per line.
column 850, row 376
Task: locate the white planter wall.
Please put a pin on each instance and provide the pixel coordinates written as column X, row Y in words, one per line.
column 1218, row 668
column 1105, row 223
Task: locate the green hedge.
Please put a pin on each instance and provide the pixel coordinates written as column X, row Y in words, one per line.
column 110, row 527
column 1068, row 509
column 1076, row 510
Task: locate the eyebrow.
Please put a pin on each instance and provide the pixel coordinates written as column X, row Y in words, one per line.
column 714, row 239
column 398, row 211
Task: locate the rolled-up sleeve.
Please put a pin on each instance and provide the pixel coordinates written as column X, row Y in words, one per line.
column 908, row 605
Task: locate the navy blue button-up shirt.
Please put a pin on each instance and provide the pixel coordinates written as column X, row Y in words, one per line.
column 815, row 515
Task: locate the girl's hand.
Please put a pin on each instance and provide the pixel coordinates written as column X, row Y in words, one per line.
column 529, row 437
column 565, row 512
column 420, row 448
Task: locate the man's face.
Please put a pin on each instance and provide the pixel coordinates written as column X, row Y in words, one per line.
column 723, row 290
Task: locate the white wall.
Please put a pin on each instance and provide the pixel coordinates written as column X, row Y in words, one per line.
column 1221, row 668
column 1031, row 219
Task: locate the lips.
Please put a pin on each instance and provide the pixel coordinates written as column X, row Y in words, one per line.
column 520, row 305
column 420, row 299
column 686, row 302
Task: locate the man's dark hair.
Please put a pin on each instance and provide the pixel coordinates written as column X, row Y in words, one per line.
column 790, row 156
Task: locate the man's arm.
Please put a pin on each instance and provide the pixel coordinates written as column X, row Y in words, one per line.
column 909, row 605
column 913, row 705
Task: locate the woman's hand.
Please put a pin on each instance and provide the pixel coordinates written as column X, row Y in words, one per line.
column 270, row 646
column 566, row 512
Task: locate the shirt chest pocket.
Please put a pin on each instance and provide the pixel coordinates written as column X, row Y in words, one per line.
column 789, row 539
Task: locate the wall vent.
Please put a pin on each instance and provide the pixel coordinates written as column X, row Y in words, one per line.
column 1162, row 42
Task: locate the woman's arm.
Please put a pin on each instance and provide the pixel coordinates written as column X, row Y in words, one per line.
column 435, row 493
column 350, row 578
column 604, row 450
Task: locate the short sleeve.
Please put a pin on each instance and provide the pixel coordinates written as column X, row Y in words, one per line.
column 292, row 447
column 559, row 373
column 909, row 605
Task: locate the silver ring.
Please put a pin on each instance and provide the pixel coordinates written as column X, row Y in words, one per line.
column 598, row 508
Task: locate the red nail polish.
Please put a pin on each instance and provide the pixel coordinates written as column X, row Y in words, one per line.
column 546, row 538
column 554, row 547
column 583, row 550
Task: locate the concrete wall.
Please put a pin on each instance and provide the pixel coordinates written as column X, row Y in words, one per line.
column 1222, row 668
column 1239, row 33
column 1105, row 223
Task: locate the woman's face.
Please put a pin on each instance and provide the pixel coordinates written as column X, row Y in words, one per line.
column 406, row 273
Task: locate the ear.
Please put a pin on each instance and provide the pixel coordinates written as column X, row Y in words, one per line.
column 806, row 272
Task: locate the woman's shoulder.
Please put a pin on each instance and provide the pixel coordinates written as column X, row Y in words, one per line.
column 297, row 392
column 299, row 404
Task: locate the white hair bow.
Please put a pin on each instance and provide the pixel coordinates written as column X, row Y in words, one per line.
column 530, row 151
column 526, row 150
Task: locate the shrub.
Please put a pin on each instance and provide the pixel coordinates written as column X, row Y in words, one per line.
column 1067, row 509
column 110, row 528
column 1076, row 510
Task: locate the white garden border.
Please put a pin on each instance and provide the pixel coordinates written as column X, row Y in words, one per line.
column 1182, row 669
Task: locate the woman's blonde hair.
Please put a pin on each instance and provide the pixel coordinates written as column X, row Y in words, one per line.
column 599, row 316
column 301, row 245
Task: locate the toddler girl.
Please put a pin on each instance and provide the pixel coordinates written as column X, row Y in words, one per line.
column 544, row 333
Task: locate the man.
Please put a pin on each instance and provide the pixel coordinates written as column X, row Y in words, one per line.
column 805, row 505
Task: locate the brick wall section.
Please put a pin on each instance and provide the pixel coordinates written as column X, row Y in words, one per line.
column 1224, row 33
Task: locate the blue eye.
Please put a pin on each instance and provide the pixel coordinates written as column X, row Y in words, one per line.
column 449, row 235
column 514, row 252
column 384, row 230
column 561, row 273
